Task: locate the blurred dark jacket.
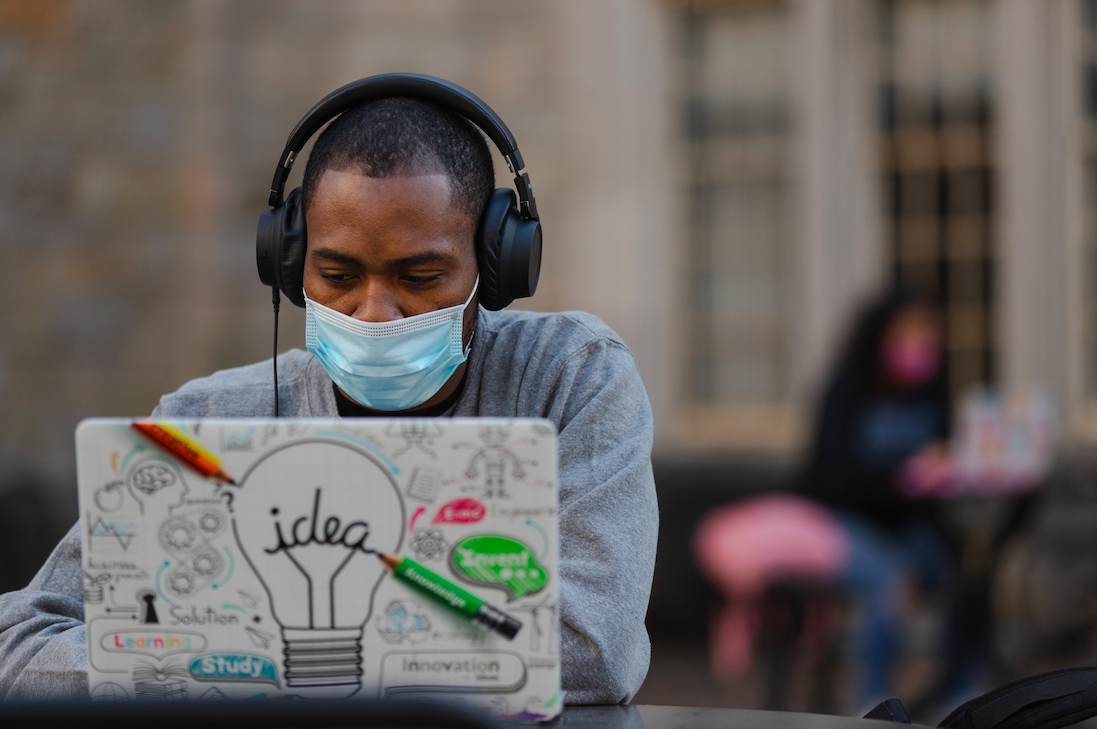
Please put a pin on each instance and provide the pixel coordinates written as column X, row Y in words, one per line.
column 861, row 440
column 868, row 426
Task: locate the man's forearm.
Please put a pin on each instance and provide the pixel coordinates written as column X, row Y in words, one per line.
column 43, row 645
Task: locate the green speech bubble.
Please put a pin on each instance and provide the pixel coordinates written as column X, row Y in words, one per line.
column 495, row 561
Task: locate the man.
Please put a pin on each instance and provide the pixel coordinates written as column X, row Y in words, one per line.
column 392, row 191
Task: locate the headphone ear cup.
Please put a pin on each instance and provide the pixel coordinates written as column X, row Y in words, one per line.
column 280, row 245
column 490, row 232
column 267, row 240
column 508, row 251
column 524, row 260
column 294, row 244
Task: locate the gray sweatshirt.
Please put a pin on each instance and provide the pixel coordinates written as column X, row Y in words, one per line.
column 570, row 368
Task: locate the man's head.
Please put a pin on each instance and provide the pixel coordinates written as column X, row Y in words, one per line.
column 400, row 137
column 393, row 190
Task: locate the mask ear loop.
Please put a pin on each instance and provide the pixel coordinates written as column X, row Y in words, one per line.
column 475, row 288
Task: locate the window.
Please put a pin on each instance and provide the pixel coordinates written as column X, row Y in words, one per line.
column 936, row 123
column 1089, row 161
column 736, row 119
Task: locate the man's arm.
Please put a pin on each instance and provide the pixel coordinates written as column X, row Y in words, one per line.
column 608, row 523
column 43, row 643
column 43, row 648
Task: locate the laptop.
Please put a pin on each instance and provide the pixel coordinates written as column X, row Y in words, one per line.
column 326, row 559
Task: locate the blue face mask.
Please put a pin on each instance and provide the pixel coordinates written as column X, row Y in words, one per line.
column 390, row 365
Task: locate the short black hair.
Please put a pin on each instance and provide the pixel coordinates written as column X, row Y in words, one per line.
column 395, row 136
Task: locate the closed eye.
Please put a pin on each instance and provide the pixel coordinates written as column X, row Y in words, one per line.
column 411, row 278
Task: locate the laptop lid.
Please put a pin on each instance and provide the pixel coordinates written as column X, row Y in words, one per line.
column 364, row 558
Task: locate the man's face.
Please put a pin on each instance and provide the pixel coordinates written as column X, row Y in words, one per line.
column 385, row 248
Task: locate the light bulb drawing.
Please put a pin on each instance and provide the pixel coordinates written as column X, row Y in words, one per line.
column 309, row 518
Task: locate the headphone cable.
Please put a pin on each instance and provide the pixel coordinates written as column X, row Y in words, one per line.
column 276, row 300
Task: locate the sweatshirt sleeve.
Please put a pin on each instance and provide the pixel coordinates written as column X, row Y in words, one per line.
column 608, row 522
column 43, row 639
column 43, row 648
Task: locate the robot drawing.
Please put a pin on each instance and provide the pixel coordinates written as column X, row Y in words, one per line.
column 494, row 456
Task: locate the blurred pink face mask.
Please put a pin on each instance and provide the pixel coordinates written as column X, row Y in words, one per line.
column 911, row 359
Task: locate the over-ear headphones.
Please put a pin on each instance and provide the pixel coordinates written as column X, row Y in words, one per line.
column 508, row 233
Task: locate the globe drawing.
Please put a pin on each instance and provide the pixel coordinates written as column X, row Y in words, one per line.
column 109, row 692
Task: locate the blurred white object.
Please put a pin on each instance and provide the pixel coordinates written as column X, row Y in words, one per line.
column 1003, row 443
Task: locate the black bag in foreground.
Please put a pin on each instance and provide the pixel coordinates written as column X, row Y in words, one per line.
column 1046, row 701
column 1049, row 700
column 890, row 710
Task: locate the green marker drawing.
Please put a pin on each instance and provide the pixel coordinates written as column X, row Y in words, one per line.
column 139, row 448
column 544, row 536
column 157, row 583
column 501, row 562
column 456, row 599
column 232, row 568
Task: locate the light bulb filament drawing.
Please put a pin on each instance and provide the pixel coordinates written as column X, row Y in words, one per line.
column 333, row 534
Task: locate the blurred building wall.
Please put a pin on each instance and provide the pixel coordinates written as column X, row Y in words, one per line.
column 710, row 174
column 138, row 141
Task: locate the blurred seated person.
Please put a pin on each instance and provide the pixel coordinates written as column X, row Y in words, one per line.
column 884, row 421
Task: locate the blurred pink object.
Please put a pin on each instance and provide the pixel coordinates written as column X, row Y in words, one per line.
column 926, row 475
column 745, row 547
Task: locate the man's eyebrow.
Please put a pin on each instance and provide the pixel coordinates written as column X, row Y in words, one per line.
column 418, row 259
column 335, row 256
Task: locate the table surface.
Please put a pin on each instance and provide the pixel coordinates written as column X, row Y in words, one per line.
column 378, row 714
column 692, row 717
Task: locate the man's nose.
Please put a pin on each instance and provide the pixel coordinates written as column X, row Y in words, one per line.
column 377, row 303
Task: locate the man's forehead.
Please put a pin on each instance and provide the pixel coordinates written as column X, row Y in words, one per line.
column 388, row 221
column 354, row 186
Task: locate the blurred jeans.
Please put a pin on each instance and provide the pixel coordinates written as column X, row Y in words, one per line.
column 883, row 564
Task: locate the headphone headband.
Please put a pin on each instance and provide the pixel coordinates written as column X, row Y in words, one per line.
column 508, row 231
column 416, row 86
